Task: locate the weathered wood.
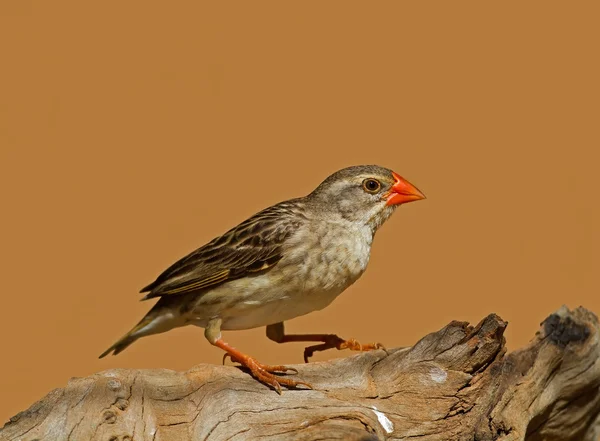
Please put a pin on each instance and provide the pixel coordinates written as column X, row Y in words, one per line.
column 454, row 384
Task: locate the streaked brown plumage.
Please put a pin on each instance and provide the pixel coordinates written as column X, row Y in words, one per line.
column 290, row 259
column 252, row 247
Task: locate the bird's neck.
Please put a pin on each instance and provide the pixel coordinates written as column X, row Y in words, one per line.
column 357, row 230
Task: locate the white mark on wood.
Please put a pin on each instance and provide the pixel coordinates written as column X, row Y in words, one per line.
column 385, row 422
column 438, row 375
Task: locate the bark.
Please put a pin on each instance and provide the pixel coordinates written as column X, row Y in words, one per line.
column 454, row 384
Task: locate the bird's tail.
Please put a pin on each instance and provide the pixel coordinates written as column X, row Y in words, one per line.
column 160, row 318
column 119, row 346
column 128, row 338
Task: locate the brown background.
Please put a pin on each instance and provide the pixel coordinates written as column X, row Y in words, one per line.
column 131, row 133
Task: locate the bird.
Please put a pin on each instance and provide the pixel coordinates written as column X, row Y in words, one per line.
column 288, row 260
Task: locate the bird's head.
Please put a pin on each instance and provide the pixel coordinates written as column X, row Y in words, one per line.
column 367, row 194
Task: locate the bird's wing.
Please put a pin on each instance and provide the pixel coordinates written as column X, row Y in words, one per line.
column 253, row 247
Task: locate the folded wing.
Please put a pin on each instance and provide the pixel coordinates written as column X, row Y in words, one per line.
column 255, row 246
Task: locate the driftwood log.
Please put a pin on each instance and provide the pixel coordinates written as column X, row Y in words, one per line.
column 454, row 384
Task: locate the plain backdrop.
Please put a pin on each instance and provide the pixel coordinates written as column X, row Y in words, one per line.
column 133, row 132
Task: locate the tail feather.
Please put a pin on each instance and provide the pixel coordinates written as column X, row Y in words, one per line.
column 119, row 346
column 127, row 339
column 159, row 319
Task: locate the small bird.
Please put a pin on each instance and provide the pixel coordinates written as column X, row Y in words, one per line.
column 287, row 260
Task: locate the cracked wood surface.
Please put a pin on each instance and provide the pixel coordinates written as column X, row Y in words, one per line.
column 454, row 384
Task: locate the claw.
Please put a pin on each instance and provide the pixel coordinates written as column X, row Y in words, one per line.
column 265, row 374
column 383, row 348
column 262, row 372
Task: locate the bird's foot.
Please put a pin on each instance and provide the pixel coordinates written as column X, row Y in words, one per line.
column 269, row 368
column 354, row 345
column 265, row 373
column 333, row 341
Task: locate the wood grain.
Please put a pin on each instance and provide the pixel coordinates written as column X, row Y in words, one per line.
column 454, row 384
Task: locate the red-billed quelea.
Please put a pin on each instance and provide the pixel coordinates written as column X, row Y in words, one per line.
column 285, row 261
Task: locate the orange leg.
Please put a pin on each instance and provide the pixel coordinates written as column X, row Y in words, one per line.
column 262, row 372
column 329, row 341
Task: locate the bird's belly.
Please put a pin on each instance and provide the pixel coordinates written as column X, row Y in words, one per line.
column 259, row 302
column 256, row 302
column 248, row 314
column 306, row 280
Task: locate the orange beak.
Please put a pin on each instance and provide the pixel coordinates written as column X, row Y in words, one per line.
column 402, row 192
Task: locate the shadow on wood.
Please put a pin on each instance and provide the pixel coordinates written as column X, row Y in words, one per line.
column 454, row 384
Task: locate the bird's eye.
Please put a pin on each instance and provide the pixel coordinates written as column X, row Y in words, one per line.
column 371, row 185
